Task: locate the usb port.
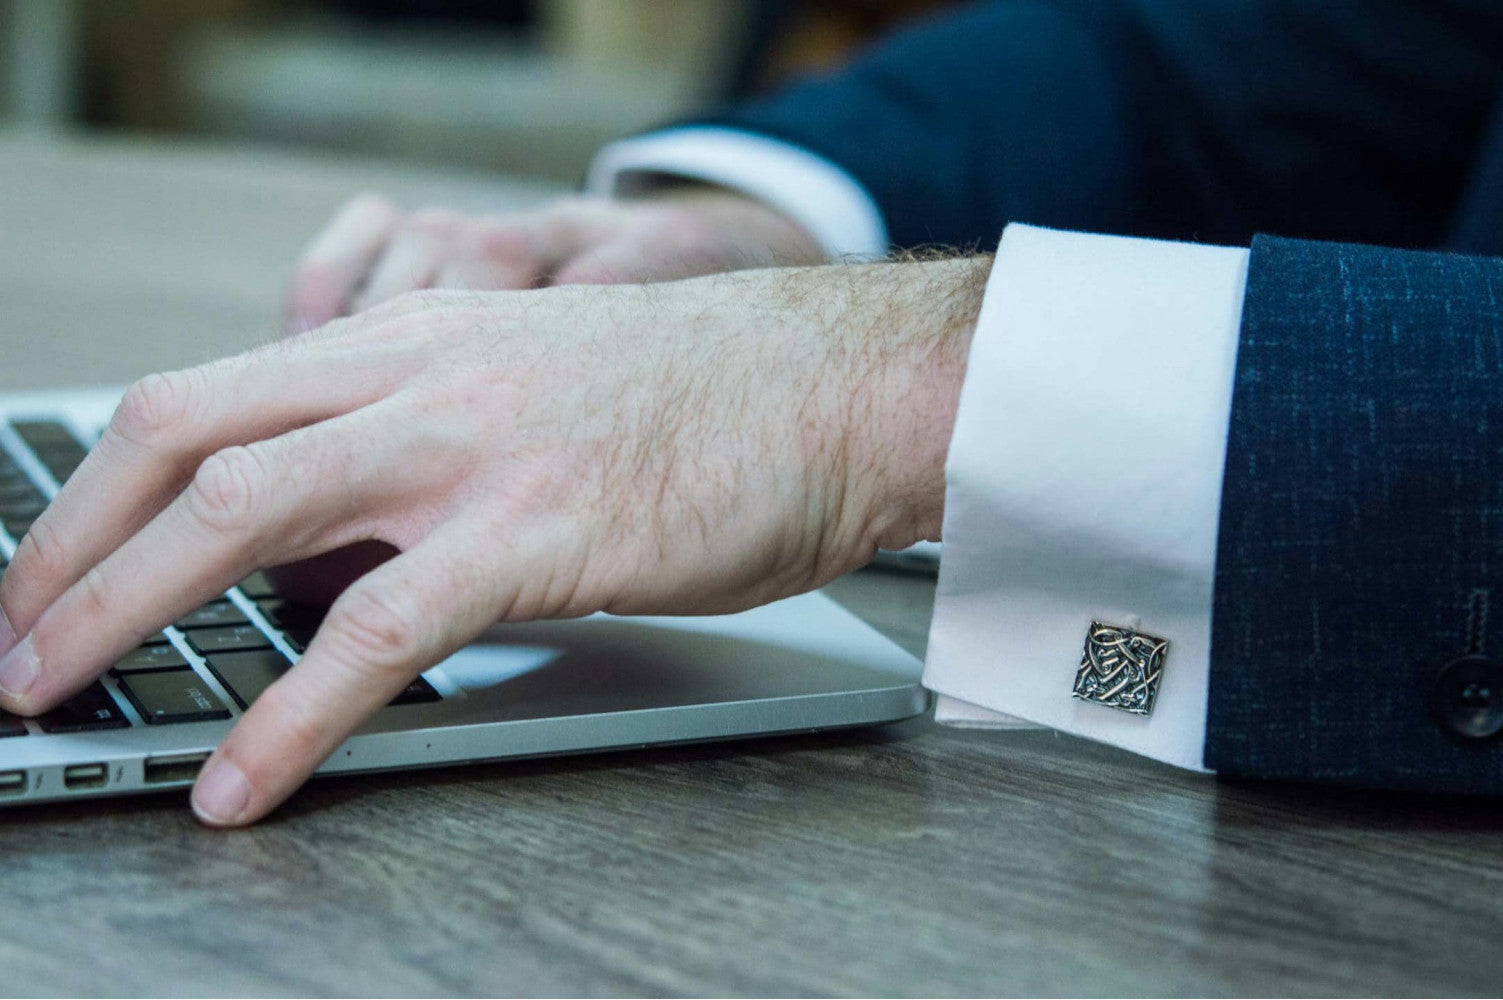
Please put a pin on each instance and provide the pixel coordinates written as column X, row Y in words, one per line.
column 173, row 767
column 80, row 776
column 12, row 783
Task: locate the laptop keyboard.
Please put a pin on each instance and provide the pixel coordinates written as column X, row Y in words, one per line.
column 211, row 664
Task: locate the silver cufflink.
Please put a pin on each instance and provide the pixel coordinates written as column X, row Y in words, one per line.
column 1120, row 668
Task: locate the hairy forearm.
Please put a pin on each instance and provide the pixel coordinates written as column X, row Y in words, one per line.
column 906, row 421
column 898, row 335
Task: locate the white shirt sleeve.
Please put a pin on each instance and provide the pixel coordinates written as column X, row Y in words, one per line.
column 1084, row 482
column 816, row 193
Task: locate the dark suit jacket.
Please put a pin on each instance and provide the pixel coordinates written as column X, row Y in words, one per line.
column 1361, row 539
column 1374, row 121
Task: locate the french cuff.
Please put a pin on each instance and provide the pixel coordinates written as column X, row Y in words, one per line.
column 963, row 715
column 828, row 202
column 1083, row 490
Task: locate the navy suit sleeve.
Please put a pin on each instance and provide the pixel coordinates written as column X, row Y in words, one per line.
column 1361, row 537
column 1173, row 118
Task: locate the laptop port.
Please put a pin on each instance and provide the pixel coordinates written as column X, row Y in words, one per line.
column 12, row 783
column 80, row 776
column 173, row 767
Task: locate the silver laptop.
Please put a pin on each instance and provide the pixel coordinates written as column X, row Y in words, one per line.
column 598, row 683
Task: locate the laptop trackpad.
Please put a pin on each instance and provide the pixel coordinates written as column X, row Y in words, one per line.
column 480, row 667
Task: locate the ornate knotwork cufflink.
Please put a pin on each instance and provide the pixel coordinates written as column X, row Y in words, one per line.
column 1120, row 668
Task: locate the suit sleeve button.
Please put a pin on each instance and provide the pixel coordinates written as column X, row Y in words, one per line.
column 1467, row 699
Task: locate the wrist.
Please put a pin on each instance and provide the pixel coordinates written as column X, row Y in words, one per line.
column 903, row 418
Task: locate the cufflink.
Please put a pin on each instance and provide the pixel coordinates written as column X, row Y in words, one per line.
column 1120, row 668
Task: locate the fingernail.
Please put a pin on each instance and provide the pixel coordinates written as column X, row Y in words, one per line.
column 221, row 793
column 19, row 669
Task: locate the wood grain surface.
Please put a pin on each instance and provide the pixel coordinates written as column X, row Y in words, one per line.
column 910, row 860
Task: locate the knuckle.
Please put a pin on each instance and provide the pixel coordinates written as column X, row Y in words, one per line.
column 227, row 488
column 154, row 407
column 41, row 554
column 93, row 595
column 378, row 625
column 300, row 733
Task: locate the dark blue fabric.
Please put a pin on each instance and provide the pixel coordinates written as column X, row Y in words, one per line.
column 1186, row 119
column 1363, row 501
column 1362, row 507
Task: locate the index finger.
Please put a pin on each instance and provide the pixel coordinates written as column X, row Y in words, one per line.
column 389, row 626
column 163, row 429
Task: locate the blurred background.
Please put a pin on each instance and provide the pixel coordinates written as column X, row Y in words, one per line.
column 530, row 87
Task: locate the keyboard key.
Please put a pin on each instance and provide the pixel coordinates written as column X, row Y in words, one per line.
column 53, row 444
column 160, row 639
column 11, row 725
column 223, row 640
column 14, row 482
column 63, row 455
column 300, row 638
column 93, row 708
column 46, row 435
column 15, row 486
column 213, row 615
column 16, row 527
column 29, row 506
column 298, row 622
column 257, row 586
column 166, row 696
column 245, row 675
column 150, row 658
column 286, row 615
column 42, row 433
column 417, row 692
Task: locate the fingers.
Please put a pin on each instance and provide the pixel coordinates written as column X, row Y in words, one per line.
column 273, row 501
column 370, row 254
column 666, row 246
column 337, row 261
column 418, row 250
column 320, row 580
column 390, row 625
column 437, row 249
column 526, row 251
column 633, row 261
column 518, row 251
column 165, row 426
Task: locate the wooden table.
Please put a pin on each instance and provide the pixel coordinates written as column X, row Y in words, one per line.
column 910, row 860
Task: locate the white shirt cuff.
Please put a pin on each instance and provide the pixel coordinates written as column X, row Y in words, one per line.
column 963, row 715
column 828, row 202
column 1084, row 479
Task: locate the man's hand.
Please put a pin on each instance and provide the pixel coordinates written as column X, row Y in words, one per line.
column 691, row 447
column 371, row 252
